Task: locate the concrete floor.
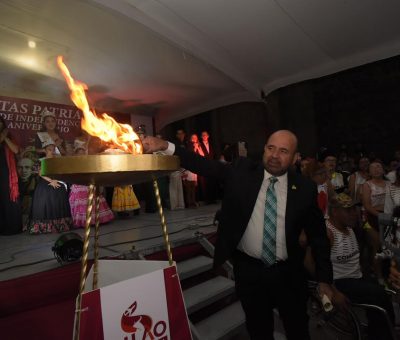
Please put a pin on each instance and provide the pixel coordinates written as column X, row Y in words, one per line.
column 25, row 254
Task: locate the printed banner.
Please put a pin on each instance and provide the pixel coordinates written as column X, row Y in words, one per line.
column 146, row 307
column 24, row 119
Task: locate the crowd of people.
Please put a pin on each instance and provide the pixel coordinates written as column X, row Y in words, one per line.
column 186, row 189
column 352, row 192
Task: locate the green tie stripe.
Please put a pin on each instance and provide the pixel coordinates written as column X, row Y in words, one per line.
column 270, row 215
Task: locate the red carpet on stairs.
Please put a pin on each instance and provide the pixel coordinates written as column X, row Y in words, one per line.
column 53, row 321
column 41, row 306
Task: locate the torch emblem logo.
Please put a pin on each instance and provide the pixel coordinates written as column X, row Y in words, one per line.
column 131, row 323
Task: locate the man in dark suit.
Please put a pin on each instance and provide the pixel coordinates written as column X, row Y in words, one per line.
column 264, row 209
column 205, row 145
column 181, row 140
column 207, row 185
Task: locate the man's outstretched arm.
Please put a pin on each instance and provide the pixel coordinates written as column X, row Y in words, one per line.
column 189, row 160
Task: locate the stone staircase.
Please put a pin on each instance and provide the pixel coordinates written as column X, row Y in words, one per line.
column 225, row 322
column 213, row 309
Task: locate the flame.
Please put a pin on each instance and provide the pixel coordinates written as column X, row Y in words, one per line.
column 105, row 127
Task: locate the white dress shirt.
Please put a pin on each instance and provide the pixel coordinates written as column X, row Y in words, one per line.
column 252, row 239
column 170, row 150
column 207, row 146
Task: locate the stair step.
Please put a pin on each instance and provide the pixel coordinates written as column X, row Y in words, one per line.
column 207, row 293
column 194, row 266
column 223, row 324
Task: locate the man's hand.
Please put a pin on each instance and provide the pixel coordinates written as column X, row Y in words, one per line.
column 340, row 300
column 394, row 276
column 336, row 297
column 153, row 144
column 325, row 289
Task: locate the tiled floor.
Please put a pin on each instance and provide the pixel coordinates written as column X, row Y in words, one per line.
column 24, row 254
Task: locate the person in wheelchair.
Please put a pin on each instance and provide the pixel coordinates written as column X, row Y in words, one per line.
column 347, row 273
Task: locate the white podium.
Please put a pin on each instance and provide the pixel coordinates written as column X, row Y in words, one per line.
column 136, row 300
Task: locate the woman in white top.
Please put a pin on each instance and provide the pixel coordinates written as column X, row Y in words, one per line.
column 49, row 134
column 374, row 192
column 392, row 197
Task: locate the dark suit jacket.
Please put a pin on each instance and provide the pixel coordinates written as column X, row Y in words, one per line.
column 242, row 181
column 208, row 154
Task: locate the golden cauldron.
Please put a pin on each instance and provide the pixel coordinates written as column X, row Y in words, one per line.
column 108, row 170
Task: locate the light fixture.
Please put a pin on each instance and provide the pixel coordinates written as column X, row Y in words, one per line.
column 31, row 44
column 27, row 61
column 68, row 248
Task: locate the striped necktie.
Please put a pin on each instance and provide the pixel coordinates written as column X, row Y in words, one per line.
column 270, row 213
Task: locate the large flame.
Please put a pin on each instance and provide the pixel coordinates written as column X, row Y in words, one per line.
column 120, row 136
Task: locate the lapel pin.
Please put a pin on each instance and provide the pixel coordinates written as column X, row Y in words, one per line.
column 294, row 187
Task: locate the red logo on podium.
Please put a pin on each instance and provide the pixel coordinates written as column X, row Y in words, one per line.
column 133, row 324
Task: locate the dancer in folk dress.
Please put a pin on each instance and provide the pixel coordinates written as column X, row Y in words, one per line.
column 78, row 198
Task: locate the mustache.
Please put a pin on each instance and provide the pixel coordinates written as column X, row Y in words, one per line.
column 273, row 160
